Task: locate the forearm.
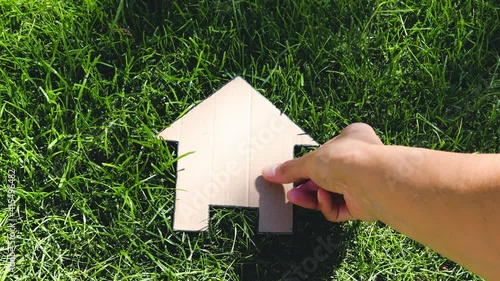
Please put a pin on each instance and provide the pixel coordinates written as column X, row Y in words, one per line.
column 448, row 201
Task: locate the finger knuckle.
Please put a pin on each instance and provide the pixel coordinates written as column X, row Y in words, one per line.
column 285, row 168
column 330, row 216
column 357, row 127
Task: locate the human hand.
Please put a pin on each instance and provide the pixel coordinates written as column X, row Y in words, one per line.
column 337, row 179
column 424, row 194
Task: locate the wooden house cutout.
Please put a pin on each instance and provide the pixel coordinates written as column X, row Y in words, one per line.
column 227, row 140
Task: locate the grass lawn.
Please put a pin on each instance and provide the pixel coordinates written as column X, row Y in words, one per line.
column 85, row 87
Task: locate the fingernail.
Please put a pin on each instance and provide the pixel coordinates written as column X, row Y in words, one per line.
column 319, row 196
column 269, row 171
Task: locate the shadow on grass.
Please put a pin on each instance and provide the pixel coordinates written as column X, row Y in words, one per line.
column 313, row 252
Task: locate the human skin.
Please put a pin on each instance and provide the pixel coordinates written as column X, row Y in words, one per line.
column 447, row 201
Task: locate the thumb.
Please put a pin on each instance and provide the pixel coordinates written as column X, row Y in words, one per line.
column 290, row 171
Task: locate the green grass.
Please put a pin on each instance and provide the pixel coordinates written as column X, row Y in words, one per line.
column 85, row 86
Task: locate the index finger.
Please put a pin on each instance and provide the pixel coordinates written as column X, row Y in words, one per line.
column 294, row 170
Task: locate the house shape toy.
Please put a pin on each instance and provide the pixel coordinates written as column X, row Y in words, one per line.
column 224, row 142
